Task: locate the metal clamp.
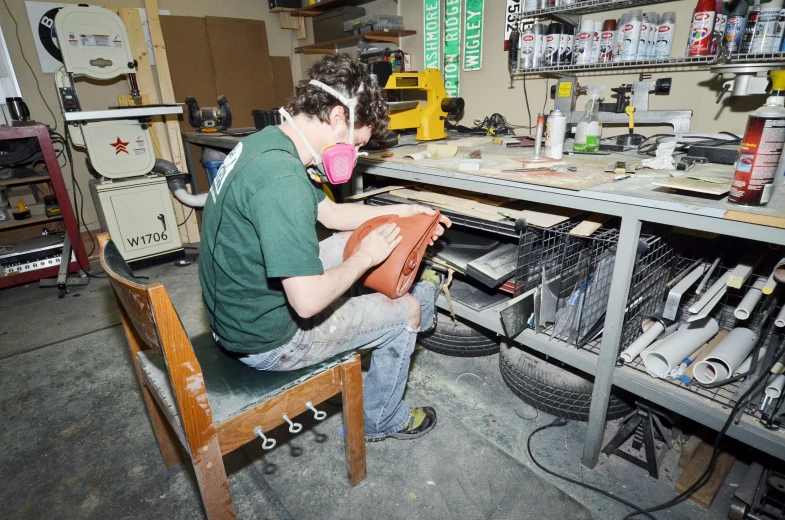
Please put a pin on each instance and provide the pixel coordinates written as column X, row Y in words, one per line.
column 267, row 444
column 293, row 426
column 316, row 413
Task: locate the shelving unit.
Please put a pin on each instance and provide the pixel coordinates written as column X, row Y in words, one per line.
column 26, row 180
column 587, row 7
column 320, row 7
column 332, row 46
column 12, row 224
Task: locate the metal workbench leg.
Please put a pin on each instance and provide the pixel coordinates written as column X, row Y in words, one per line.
column 189, row 163
column 611, row 337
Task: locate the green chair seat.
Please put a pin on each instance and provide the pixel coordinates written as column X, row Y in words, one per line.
column 232, row 386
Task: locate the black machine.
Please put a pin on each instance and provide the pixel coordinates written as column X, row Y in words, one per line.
column 209, row 119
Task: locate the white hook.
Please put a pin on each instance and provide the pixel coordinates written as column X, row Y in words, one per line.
column 316, row 413
column 293, row 426
column 267, row 444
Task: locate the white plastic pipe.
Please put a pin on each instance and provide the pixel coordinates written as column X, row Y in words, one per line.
column 194, row 201
column 675, row 348
column 643, row 341
column 747, row 363
column 775, row 386
column 751, row 299
column 780, row 321
column 779, row 271
column 727, row 357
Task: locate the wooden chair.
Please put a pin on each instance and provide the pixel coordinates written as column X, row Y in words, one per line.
column 211, row 404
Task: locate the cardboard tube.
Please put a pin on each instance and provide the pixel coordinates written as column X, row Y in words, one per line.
column 689, row 374
column 678, row 346
column 643, row 341
column 775, row 386
column 751, row 299
column 727, row 357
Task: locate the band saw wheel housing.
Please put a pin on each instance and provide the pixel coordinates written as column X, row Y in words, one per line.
column 563, row 392
column 457, row 338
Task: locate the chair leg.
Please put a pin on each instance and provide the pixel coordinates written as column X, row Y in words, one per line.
column 211, row 477
column 353, row 421
column 168, row 442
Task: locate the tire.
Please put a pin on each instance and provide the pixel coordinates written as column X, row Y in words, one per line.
column 457, row 338
column 551, row 388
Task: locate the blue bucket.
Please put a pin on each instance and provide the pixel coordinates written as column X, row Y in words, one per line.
column 212, row 167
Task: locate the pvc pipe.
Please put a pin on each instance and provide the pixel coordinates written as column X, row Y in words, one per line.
column 706, row 310
column 194, row 201
column 727, row 357
column 705, row 351
column 675, row 348
column 747, row 363
column 771, row 284
column 780, row 321
column 751, row 299
column 775, row 386
column 718, row 287
column 643, row 341
column 779, row 271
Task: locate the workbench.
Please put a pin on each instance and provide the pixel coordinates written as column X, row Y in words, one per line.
column 635, row 200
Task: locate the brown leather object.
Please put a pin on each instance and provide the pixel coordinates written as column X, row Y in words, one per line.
column 395, row 276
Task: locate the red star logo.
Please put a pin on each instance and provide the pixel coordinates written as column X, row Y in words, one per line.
column 119, row 146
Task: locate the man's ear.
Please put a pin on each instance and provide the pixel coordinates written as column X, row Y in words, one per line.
column 338, row 119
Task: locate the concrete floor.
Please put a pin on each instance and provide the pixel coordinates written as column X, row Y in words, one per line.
column 78, row 443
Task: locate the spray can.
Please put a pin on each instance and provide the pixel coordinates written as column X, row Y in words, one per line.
column 527, row 49
column 734, row 28
column 750, row 28
column 606, row 41
column 761, row 148
column 665, row 32
column 779, row 36
column 530, row 5
column 512, row 52
column 555, row 128
column 595, row 49
column 654, row 24
column 552, row 44
column 720, row 20
column 584, row 43
column 566, row 44
column 618, row 43
column 631, row 34
column 539, row 44
column 643, row 40
column 702, row 27
column 765, row 36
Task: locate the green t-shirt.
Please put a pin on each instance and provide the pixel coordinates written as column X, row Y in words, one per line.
column 258, row 226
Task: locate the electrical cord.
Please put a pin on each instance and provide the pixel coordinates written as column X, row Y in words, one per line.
column 650, row 144
column 22, row 51
column 526, row 97
column 186, row 218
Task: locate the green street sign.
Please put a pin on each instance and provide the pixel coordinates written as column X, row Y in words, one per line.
column 432, row 16
column 472, row 34
column 452, row 47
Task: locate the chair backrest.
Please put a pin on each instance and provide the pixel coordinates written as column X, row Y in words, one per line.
column 131, row 293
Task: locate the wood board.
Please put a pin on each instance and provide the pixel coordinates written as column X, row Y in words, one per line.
column 752, row 218
column 283, row 83
column 366, row 194
column 590, row 225
column 695, row 185
column 705, row 494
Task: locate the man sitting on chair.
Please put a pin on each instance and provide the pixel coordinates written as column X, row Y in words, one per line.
column 273, row 292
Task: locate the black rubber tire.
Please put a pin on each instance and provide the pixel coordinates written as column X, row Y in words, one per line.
column 457, row 338
column 552, row 389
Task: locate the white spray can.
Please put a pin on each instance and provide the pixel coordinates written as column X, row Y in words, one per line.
column 618, row 43
column 654, row 23
column 556, row 128
column 527, row 49
column 631, row 34
column 662, row 47
column 595, row 50
column 643, row 40
column 584, row 43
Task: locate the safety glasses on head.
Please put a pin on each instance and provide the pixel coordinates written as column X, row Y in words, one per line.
column 337, row 160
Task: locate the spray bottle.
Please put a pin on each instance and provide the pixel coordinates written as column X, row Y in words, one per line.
column 589, row 131
column 556, row 128
column 761, row 148
column 734, row 28
column 702, row 28
column 662, row 48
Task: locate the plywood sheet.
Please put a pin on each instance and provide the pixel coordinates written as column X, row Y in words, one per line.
column 696, row 185
column 243, row 71
column 590, row 225
column 752, row 218
column 705, row 494
column 283, row 84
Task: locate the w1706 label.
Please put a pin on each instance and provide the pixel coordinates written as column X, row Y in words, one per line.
column 149, row 238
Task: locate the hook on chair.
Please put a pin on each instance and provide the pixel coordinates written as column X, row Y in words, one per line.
column 293, row 426
column 267, row 444
column 316, row 413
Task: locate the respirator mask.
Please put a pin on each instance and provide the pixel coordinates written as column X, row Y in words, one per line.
column 337, row 160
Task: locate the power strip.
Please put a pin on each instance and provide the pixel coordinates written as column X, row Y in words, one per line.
column 34, row 265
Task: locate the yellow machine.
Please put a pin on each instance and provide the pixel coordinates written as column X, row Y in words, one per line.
column 427, row 119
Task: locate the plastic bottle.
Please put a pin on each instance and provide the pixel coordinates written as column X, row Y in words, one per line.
column 552, row 44
column 539, row 44
column 654, row 24
column 566, row 44
column 665, row 32
column 589, row 131
column 618, row 43
column 595, row 50
column 734, row 27
column 750, row 28
column 556, row 128
column 761, row 148
column 702, row 27
column 584, row 42
column 607, row 40
column 527, row 49
column 643, row 40
column 631, row 34
column 720, row 20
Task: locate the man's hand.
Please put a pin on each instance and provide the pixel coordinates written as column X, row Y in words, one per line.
column 379, row 243
column 409, row 210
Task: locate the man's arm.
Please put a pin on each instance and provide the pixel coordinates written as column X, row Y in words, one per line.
column 309, row 295
column 348, row 217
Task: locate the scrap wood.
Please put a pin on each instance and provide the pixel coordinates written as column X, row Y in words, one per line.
column 366, row 194
column 704, row 495
column 744, row 269
column 590, row 225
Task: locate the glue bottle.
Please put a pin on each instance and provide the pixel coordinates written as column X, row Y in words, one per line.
column 702, row 28
column 555, row 128
column 589, row 132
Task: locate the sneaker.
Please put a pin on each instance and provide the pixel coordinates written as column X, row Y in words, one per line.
column 435, row 278
column 421, row 421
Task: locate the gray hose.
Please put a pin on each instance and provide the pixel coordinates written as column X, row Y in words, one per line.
column 177, row 184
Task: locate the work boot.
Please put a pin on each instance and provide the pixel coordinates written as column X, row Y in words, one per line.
column 421, row 421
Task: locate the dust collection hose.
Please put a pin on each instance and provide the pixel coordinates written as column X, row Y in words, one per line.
column 176, row 183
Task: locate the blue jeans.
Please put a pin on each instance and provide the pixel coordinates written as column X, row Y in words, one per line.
column 370, row 321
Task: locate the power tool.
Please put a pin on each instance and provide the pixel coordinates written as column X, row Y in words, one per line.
column 209, row 119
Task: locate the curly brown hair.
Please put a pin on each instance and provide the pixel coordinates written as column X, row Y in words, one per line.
column 341, row 73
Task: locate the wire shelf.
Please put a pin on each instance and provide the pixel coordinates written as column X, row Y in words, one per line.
column 586, row 7
column 682, row 62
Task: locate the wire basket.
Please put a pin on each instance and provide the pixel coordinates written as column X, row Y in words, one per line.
column 575, row 274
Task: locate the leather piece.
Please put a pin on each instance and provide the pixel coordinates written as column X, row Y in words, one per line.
column 395, row 276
